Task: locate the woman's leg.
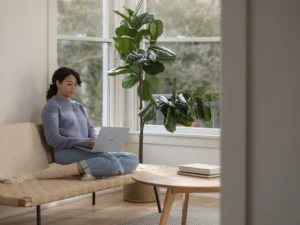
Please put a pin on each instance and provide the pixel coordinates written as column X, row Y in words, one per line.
column 129, row 161
column 98, row 164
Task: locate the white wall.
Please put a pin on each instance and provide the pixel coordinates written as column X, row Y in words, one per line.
column 269, row 143
column 175, row 149
column 23, row 60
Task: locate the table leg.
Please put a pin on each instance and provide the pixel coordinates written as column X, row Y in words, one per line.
column 167, row 206
column 185, row 208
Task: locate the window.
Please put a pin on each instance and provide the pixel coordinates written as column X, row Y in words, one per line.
column 80, row 37
column 82, row 43
column 192, row 31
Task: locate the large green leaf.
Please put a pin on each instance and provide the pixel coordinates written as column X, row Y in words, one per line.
column 207, row 113
column 170, row 121
column 199, row 109
column 135, row 61
column 174, row 91
column 199, row 92
column 164, row 105
column 123, row 16
column 153, row 68
column 186, row 121
column 125, row 23
column 163, row 54
column 119, row 70
column 192, row 104
column 153, row 80
column 181, row 105
column 151, row 55
column 124, row 45
column 142, row 19
column 139, row 36
column 129, row 11
column 146, row 91
column 130, row 81
column 135, row 58
column 125, row 31
column 149, row 111
column 156, row 29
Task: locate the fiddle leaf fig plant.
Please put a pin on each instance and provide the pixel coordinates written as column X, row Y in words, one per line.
column 141, row 65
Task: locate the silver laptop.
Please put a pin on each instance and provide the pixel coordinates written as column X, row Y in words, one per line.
column 110, row 139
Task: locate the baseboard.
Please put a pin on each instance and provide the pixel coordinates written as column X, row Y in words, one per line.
column 20, row 211
column 215, row 195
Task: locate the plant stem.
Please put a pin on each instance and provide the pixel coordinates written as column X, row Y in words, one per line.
column 142, row 122
column 141, row 140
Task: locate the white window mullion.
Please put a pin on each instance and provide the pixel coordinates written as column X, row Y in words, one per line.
column 107, row 62
column 52, row 38
column 75, row 38
column 116, row 94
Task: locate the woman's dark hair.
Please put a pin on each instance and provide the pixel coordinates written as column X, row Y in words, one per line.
column 60, row 74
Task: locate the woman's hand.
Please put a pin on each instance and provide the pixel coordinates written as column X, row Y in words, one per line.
column 91, row 143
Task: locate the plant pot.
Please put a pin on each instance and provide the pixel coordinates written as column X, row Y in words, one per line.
column 140, row 193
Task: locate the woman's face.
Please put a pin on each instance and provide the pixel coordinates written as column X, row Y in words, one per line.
column 67, row 88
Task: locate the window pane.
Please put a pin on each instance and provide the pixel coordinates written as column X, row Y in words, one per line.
column 86, row 58
column 197, row 64
column 189, row 18
column 80, row 18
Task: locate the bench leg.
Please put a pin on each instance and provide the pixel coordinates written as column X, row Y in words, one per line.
column 157, row 200
column 94, row 198
column 38, row 215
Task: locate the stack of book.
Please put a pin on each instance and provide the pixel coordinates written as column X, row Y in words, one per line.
column 200, row 170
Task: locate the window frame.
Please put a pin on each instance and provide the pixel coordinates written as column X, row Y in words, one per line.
column 115, row 98
column 108, row 119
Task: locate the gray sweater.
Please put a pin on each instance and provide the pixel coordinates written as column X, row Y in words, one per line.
column 66, row 124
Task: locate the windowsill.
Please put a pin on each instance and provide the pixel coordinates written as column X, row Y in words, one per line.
column 156, row 130
column 176, row 139
column 176, row 134
column 183, row 131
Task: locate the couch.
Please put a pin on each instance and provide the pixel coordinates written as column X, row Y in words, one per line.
column 24, row 152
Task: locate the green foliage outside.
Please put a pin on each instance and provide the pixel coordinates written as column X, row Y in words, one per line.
column 197, row 64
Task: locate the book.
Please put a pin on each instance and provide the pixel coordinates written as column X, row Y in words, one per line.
column 199, row 168
column 197, row 174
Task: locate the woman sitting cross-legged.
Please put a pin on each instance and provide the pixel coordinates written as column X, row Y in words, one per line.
column 66, row 125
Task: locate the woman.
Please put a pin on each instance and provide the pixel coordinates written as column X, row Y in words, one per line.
column 66, row 125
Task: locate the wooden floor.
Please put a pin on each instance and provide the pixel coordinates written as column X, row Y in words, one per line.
column 109, row 209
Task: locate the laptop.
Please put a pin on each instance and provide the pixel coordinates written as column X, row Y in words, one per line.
column 110, row 139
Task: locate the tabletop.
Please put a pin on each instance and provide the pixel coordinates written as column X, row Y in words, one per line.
column 168, row 177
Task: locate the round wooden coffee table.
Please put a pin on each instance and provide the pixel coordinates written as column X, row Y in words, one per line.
column 168, row 178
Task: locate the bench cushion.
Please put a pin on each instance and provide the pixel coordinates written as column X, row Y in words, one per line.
column 38, row 192
column 21, row 149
